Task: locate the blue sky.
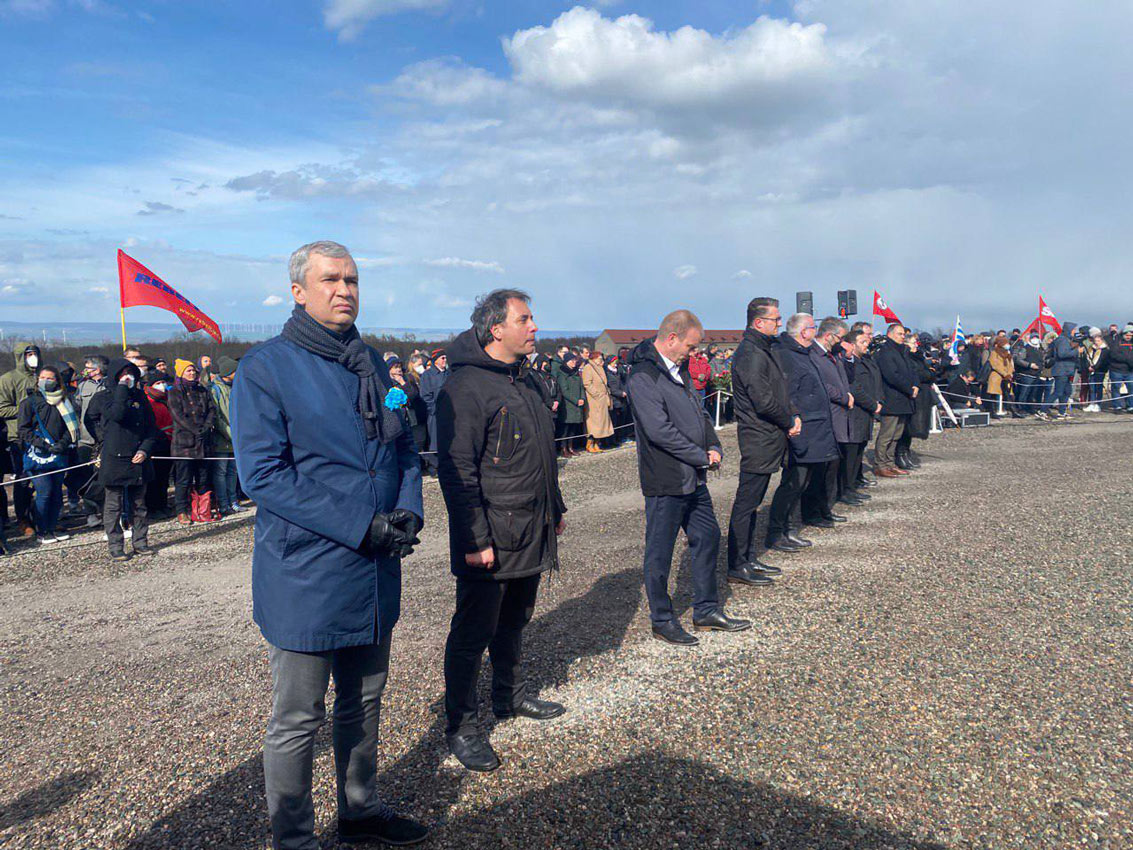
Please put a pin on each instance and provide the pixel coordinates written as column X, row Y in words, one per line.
column 618, row 159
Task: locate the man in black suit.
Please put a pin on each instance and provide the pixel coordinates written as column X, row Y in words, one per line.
column 765, row 418
column 899, row 390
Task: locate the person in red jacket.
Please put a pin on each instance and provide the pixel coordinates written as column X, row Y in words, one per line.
column 701, row 371
column 157, row 490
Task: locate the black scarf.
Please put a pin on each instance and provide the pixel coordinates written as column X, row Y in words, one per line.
column 349, row 350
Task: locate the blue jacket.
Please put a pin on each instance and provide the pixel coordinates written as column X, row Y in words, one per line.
column 1064, row 354
column 815, row 443
column 302, row 454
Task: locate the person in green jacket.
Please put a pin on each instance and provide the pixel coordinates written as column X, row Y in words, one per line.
column 224, row 470
column 14, row 387
column 573, row 407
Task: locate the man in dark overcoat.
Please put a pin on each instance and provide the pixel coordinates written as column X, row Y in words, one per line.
column 326, row 451
column 900, row 387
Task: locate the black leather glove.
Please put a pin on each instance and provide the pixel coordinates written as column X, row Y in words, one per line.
column 408, row 522
column 386, row 538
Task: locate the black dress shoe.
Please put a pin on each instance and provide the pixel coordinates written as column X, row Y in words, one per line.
column 902, row 463
column 783, row 544
column 672, row 632
column 819, row 522
column 836, row 518
column 801, row 542
column 865, row 497
column 851, row 500
column 388, row 828
column 474, row 752
column 766, row 569
column 865, row 482
column 534, row 709
column 746, row 574
column 718, row 621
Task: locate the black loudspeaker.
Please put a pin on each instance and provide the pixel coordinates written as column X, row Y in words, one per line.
column 842, row 304
column 851, row 302
column 804, row 302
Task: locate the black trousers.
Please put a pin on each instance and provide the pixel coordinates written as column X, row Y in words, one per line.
column 157, row 489
column 745, row 510
column 489, row 615
column 190, row 475
column 816, row 499
column 112, row 506
column 850, row 467
column 796, row 478
column 665, row 516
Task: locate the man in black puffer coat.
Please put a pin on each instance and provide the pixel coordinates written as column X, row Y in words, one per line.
column 765, row 419
column 498, row 473
column 123, row 422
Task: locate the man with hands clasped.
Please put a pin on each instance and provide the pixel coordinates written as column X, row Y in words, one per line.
column 500, row 480
column 326, row 451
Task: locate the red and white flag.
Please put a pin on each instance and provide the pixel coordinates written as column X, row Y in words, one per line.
column 880, row 308
column 1045, row 318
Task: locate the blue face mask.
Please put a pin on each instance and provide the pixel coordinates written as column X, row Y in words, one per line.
column 48, row 385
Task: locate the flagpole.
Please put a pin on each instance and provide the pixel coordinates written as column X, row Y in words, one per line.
column 122, row 313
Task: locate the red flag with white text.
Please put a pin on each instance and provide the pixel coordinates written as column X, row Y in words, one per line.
column 1045, row 317
column 880, row 308
column 138, row 285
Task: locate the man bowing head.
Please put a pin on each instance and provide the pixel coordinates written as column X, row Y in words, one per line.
column 323, row 446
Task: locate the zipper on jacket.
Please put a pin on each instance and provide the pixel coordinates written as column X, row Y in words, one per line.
column 500, row 433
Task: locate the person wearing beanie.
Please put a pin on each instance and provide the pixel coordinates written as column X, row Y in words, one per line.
column 224, row 469
column 431, row 383
column 1121, row 371
column 49, row 430
column 194, row 415
column 14, row 386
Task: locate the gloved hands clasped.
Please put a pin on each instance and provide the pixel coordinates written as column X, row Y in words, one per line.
column 394, row 533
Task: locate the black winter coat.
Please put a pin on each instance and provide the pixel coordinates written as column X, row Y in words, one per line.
column 832, row 371
column 194, row 414
column 897, row 378
column 816, row 443
column 867, row 390
column 124, row 426
column 764, row 413
column 496, row 465
column 1121, row 355
column 59, row 438
column 921, row 421
column 674, row 432
column 615, row 381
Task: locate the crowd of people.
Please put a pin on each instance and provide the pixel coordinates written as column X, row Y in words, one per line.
column 101, row 446
column 339, row 494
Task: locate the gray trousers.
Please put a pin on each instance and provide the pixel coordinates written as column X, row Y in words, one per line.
column 892, row 427
column 113, row 504
column 298, row 709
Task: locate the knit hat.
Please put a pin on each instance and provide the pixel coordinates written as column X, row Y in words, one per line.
column 225, row 366
column 437, row 352
column 1128, row 329
column 179, row 367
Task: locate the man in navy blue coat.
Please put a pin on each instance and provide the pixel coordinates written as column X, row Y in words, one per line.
column 329, row 458
column 900, row 387
column 814, row 446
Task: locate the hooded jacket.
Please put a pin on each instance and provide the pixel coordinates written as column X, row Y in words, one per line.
column 121, row 419
column 815, row 443
column 14, row 386
column 1063, row 355
column 674, row 432
column 496, row 465
column 764, row 413
column 1121, row 355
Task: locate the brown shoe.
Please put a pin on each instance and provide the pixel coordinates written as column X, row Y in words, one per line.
column 887, row 472
column 183, row 519
column 27, row 529
column 901, row 471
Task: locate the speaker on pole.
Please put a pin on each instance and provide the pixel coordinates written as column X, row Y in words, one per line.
column 804, row 302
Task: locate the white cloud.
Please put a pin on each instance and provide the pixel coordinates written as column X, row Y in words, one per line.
column 348, row 17
column 584, row 53
column 104, row 291
column 741, row 274
column 272, row 301
column 684, row 272
column 459, row 263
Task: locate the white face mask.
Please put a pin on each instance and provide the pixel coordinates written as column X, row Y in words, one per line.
column 419, row 369
column 128, row 380
column 33, row 361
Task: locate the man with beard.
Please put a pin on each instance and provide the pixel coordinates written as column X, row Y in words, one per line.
column 676, row 446
column 765, row 419
column 339, row 498
column 500, row 480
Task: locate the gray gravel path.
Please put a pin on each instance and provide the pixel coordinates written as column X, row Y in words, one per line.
column 952, row 668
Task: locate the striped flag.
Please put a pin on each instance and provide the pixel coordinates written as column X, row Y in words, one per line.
column 957, row 338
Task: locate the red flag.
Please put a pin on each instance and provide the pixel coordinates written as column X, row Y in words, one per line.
column 880, row 308
column 138, row 285
column 1047, row 317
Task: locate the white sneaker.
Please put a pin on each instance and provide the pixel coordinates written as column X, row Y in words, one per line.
column 43, row 541
column 60, row 537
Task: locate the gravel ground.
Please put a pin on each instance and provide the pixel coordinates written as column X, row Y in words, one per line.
column 951, row 668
